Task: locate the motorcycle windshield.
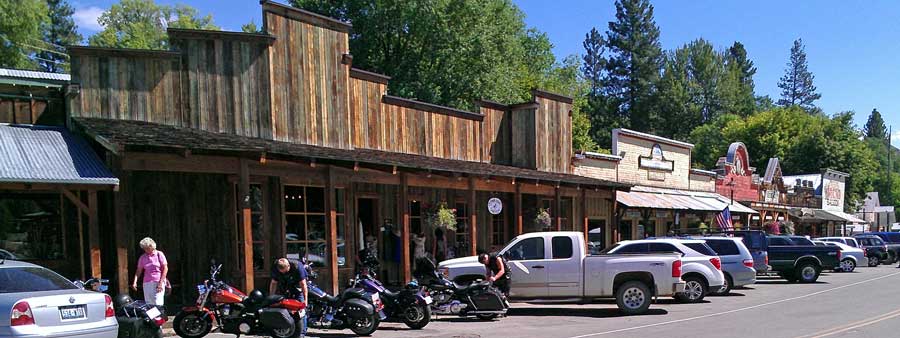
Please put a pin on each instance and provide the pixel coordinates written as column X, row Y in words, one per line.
column 315, row 291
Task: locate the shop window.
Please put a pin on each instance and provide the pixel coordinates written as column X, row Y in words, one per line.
column 31, row 227
column 305, row 226
column 258, row 229
column 461, row 247
column 498, row 229
column 624, row 230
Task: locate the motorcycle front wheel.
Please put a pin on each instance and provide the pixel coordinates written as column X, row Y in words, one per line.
column 364, row 326
column 417, row 316
column 193, row 324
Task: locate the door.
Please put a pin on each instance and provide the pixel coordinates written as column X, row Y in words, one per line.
column 564, row 268
column 528, row 265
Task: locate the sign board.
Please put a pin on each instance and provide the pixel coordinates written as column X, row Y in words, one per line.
column 656, row 160
column 663, row 214
column 832, row 194
column 771, row 196
column 495, row 206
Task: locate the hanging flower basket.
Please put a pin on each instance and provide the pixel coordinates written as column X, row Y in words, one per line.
column 787, row 227
column 542, row 218
column 441, row 217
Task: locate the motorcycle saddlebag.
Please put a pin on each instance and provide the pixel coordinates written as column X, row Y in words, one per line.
column 488, row 299
column 130, row 327
column 275, row 318
column 358, row 308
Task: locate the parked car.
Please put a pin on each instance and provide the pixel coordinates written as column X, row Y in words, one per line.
column 850, row 241
column 818, row 243
column 40, row 303
column 850, row 257
column 797, row 259
column 737, row 263
column 876, row 250
column 548, row 265
column 701, row 266
column 756, row 242
column 892, row 240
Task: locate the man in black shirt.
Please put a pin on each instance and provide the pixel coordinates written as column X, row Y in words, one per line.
column 287, row 276
column 497, row 269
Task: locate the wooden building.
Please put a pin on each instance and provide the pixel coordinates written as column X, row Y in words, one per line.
column 246, row 147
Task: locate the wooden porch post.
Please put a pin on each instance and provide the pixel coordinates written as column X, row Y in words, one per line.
column 473, row 219
column 332, row 229
column 404, row 230
column 557, row 204
column 517, row 202
column 584, row 214
column 121, row 204
column 94, row 233
column 246, row 225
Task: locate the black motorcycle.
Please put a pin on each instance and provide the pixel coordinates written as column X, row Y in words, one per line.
column 480, row 298
column 354, row 309
column 409, row 305
column 136, row 319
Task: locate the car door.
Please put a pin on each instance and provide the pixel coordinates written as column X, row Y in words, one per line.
column 528, row 265
column 564, row 268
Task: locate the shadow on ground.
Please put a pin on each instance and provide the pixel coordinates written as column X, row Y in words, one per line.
column 577, row 312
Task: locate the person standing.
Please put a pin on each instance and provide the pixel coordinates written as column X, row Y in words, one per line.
column 287, row 277
column 155, row 268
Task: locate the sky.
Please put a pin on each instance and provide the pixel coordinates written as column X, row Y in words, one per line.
column 852, row 46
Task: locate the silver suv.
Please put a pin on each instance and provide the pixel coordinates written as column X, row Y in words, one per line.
column 737, row 263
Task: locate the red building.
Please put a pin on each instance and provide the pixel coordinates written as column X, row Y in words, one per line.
column 736, row 179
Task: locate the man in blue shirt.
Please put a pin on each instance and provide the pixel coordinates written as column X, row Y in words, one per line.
column 287, row 277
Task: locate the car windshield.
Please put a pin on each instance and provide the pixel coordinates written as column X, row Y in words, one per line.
column 701, row 248
column 32, row 279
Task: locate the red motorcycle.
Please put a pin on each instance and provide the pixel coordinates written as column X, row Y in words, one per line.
column 231, row 311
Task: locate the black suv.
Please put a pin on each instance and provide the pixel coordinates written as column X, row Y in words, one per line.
column 876, row 249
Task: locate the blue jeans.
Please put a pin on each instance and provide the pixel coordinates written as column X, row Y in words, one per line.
column 303, row 326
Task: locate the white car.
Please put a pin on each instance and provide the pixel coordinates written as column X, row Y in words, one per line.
column 556, row 265
column 850, row 241
column 850, row 257
column 701, row 267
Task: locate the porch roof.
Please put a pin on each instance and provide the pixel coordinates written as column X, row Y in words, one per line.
column 49, row 155
column 126, row 134
column 673, row 199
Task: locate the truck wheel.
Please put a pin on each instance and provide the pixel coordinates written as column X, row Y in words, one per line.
column 874, row 261
column 633, row 298
column 695, row 289
column 807, row 273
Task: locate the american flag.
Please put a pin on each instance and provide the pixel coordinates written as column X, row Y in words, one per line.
column 724, row 220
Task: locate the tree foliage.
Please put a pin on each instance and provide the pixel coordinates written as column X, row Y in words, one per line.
column 740, row 70
column 20, row 31
column 59, row 31
column 142, row 24
column 796, row 84
column 875, row 127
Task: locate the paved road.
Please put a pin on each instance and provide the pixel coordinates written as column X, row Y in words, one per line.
column 865, row 303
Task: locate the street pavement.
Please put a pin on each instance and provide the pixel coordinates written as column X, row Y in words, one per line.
column 865, row 303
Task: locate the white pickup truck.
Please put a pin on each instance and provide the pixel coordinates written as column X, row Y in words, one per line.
column 555, row 265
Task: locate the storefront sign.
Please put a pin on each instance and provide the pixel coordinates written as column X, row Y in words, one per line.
column 833, row 195
column 633, row 213
column 771, row 196
column 663, row 214
column 495, row 206
column 656, row 160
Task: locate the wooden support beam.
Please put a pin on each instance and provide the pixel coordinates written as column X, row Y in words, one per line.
column 473, row 218
column 76, row 201
column 584, row 215
column 121, row 204
column 81, row 239
column 246, row 225
column 557, row 204
column 331, row 235
column 404, row 230
column 94, row 234
column 517, row 205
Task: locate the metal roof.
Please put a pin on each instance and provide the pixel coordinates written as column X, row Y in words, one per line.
column 34, row 75
column 46, row 154
column 660, row 198
column 814, row 215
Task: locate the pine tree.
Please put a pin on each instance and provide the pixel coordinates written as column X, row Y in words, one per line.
column 59, row 32
column 796, row 85
column 875, row 127
column 593, row 61
column 740, row 69
column 632, row 69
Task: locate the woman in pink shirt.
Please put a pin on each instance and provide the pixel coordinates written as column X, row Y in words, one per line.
column 155, row 268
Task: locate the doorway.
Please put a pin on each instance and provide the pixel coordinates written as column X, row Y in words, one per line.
column 596, row 235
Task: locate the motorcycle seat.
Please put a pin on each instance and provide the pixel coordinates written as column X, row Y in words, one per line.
column 389, row 294
column 264, row 301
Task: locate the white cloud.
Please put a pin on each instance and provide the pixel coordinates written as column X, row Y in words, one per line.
column 86, row 18
column 895, row 139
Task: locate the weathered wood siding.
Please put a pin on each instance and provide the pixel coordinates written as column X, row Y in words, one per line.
column 224, row 83
column 497, row 139
column 523, row 137
column 367, row 113
column 553, row 135
column 128, row 87
column 309, row 81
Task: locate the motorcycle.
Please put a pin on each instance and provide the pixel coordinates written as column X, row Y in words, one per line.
column 136, row 319
column 480, row 298
column 355, row 309
column 234, row 312
column 410, row 305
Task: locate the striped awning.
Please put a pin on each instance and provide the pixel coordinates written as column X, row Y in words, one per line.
column 673, row 199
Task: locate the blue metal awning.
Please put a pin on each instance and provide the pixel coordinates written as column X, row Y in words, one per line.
column 47, row 154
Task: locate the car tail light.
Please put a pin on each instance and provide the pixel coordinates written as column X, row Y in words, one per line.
column 748, row 263
column 676, row 269
column 767, row 259
column 21, row 315
column 110, row 311
column 839, row 255
column 716, row 262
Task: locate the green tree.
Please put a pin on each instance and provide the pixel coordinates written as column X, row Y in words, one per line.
column 20, row 31
column 60, row 31
column 875, row 127
column 740, row 98
column 633, row 65
column 142, row 24
column 796, row 84
column 250, row 27
column 679, row 113
column 565, row 78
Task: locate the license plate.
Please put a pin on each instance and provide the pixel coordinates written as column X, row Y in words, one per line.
column 72, row 312
column 153, row 312
column 428, row 300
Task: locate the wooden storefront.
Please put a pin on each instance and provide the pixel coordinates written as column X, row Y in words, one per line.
column 247, row 147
